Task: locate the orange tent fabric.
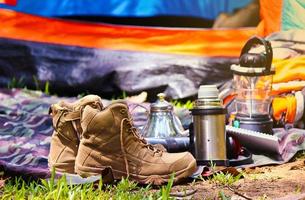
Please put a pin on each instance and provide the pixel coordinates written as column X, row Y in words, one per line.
column 270, row 13
column 202, row 42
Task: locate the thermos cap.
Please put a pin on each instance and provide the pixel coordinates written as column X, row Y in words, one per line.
column 208, row 91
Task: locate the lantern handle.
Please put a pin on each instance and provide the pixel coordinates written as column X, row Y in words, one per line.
column 255, row 40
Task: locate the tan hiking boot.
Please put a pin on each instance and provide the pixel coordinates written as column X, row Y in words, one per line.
column 67, row 129
column 110, row 139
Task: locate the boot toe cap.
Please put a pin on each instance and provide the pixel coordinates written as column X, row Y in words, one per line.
column 185, row 161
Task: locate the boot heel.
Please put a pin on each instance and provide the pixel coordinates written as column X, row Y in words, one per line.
column 62, row 156
column 105, row 172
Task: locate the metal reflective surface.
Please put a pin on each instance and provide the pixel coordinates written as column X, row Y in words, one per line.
column 162, row 122
column 209, row 137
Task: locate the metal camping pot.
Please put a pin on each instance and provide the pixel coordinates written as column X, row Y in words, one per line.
column 208, row 137
column 162, row 122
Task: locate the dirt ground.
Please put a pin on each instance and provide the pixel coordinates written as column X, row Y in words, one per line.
column 285, row 181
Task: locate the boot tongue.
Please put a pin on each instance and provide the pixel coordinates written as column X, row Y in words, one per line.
column 124, row 104
column 90, row 100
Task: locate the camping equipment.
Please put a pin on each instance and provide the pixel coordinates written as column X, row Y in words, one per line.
column 208, row 136
column 162, row 122
column 255, row 141
column 26, row 130
column 252, row 81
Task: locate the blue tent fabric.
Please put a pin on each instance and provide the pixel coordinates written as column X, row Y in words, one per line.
column 207, row 9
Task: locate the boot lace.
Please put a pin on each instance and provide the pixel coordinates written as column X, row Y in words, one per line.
column 155, row 149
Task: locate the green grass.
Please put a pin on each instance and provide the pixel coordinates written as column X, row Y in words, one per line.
column 225, row 179
column 17, row 188
column 39, row 86
column 222, row 196
column 16, row 83
column 179, row 104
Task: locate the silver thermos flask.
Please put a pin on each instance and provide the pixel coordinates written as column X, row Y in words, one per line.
column 208, row 137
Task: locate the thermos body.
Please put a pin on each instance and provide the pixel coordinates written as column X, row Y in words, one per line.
column 209, row 138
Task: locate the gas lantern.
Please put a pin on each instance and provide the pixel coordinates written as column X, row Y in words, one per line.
column 252, row 82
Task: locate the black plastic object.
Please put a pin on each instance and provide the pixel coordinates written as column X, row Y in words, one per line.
column 209, row 111
column 256, row 60
column 172, row 144
column 244, row 158
column 237, row 154
column 261, row 123
column 234, row 148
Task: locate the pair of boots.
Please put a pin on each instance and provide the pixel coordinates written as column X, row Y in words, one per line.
column 89, row 138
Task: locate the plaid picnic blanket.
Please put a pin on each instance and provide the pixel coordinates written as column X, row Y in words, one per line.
column 26, row 128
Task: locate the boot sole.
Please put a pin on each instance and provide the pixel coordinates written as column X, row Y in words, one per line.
column 151, row 179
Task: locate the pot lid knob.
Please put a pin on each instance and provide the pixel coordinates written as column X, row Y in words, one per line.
column 161, row 104
column 161, row 96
